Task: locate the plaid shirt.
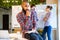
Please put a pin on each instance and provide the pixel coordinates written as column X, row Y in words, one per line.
column 26, row 22
column 34, row 17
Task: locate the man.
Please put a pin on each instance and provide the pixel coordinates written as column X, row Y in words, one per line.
column 47, row 28
column 24, row 19
column 34, row 17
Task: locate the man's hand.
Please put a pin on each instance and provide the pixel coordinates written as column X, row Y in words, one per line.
column 28, row 13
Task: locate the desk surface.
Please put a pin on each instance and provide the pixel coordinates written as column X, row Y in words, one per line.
column 16, row 36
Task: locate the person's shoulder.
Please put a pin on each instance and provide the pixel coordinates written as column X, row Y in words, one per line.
column 19, row 13
column 32, row 11
column 50, row 13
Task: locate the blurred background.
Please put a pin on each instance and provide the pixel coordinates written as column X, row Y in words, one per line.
column 59, row 18
column 6, row 14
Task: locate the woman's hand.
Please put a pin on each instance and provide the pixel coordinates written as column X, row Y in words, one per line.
column 45, row 19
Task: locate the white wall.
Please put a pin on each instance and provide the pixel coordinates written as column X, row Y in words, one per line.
column 2, row 12
column 40, row 13
column 0, row 21
column 59, row 18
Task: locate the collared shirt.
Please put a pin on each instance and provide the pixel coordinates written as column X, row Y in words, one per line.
column 34, row 17
column 25, row 22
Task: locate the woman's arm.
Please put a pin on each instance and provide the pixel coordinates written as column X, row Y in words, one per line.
column 46, row 17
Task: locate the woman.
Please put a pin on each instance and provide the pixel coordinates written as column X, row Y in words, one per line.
column 47, row 26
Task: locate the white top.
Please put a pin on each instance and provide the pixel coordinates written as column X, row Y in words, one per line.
column 48, row 22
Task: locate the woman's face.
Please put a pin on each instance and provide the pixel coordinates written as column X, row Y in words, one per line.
column 48, row 9
column 26, row 6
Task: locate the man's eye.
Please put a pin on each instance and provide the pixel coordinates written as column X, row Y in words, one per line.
column 26, row 6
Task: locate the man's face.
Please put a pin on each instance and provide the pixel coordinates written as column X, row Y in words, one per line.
column 26, row 6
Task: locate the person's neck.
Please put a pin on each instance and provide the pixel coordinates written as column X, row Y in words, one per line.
column 47, row 11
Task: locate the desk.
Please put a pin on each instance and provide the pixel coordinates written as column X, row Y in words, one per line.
column 16, row 36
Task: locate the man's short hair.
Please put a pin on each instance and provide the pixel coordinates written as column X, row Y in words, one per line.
column 33, row 5
column 49, row 7
column 25, row 1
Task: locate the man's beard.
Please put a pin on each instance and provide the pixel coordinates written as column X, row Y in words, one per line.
column 24, row 11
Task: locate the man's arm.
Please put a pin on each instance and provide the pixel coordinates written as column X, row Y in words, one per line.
column 36, row 16
column 27, row 23
column 20, row 21
column 27, row 15
column 33, row 18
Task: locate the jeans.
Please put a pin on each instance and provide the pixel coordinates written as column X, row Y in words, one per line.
column 47, row 30
column 34, row 36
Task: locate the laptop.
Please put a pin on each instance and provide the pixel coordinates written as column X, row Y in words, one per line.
column 4, row 34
